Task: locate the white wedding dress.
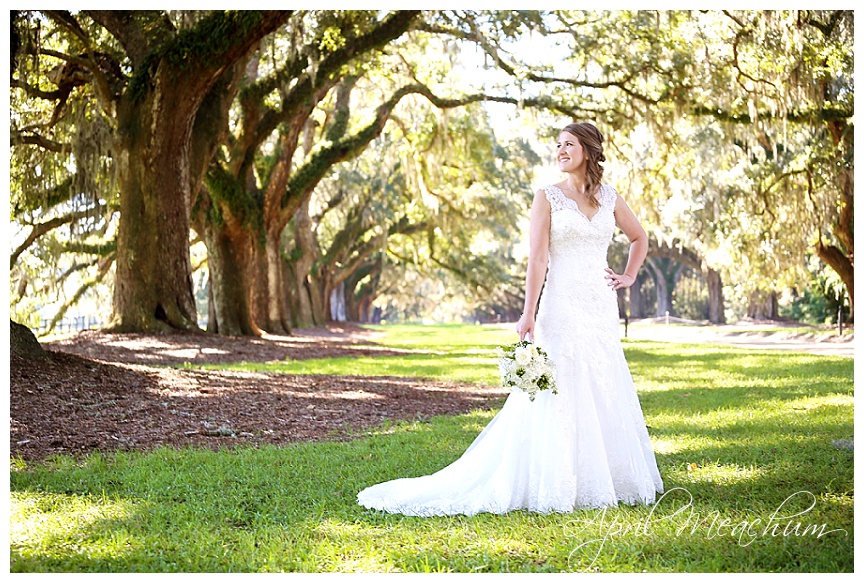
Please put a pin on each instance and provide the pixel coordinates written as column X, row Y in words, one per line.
column 585, row 447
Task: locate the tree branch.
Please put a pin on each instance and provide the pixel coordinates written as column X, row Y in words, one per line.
column 18, row 138
column 139, row 31
column 318, row 164
column 104, row 265
column 828, row 112
column 390, row 28
column 373, row 244
column 41, row 228
column 68, row 21
column 523, row 73
column 32, row 91
column 76, row 267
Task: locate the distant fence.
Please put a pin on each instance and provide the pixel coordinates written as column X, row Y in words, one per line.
column 70, row 324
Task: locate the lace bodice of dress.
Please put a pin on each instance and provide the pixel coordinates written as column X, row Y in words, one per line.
column 577, row 306
column 574, row 238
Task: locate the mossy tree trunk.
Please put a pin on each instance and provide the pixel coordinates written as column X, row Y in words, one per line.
column 359, row 296
column 286, row 187
column 762, row 305
column 173, row 72
column 276, row 319
column 676, row 251
column 840, row 256
column 153, row 287
column 307, row 309
column 223, row 215
column 716, row 307
column 229, row 257
column 258, row 283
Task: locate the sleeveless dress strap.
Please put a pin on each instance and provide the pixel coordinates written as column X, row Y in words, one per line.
column 556, row 198
column 608, row 196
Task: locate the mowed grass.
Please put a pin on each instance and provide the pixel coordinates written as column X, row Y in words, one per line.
column 743, row 441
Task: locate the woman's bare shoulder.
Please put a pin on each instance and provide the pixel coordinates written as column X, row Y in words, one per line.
column 542, row 195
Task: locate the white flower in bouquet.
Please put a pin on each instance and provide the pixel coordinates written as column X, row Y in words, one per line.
column 526, row 366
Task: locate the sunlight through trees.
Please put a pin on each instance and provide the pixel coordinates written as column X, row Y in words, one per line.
column 370, row 165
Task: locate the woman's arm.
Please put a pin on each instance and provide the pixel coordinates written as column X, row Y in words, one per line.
column 628, row 223
column 538, row 261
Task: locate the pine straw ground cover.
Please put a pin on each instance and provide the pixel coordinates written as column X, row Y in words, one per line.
column 103, row 392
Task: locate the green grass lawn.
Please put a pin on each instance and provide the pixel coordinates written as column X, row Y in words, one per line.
column 743, row 442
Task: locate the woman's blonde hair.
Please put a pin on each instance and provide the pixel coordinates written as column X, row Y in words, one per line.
column 592, row 144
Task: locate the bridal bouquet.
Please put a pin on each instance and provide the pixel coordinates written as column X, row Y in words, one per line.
column 527, row 367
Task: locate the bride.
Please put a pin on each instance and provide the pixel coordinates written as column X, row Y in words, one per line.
column 587, row 446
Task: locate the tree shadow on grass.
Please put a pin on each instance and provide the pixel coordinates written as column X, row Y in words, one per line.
column 198, row 510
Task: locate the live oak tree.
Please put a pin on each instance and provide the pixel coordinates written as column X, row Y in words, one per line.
column 296, row 121
column 778, row 85
column 799, row 139
column 772, row 111
column 148, row 79
column 440, row 195
column 163, row 157
column 253, row 196
column 172, row 73
column 64, row 210
column 749, row 115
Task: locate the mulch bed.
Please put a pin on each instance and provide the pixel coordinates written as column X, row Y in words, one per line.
column 104, row 392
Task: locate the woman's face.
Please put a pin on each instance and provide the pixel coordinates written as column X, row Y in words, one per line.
column 570, row 154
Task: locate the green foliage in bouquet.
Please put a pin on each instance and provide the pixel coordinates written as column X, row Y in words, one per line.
column 525, row 366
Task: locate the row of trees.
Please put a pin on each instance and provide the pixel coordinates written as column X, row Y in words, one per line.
column 320, row 154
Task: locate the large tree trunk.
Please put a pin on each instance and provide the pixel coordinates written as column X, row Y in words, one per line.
column 762, row 305
column 277, row 320
column 258, row 284
column 638, row 309
column 229, row 259
column 665, row 272
column 153, row 282
column 303, row 293
column 155, row 117
column 224, row 226
column 298, row 293
column 305, row 306
column 319, row 297
column 841, row 257
column 842, row 264
column 359, row 297
column 22, row 342
column 716, row 309
column 320, row 301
